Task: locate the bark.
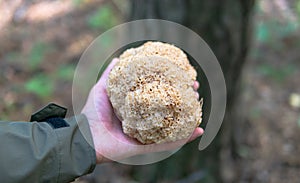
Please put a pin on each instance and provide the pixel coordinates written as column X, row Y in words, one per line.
column 226, row 27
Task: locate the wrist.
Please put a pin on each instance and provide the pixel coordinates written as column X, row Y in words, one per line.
column 95, row 131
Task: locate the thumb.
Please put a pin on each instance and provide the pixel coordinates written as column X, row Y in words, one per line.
column 105, row 74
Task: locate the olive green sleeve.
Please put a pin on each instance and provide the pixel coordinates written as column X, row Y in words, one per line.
column 37, row 152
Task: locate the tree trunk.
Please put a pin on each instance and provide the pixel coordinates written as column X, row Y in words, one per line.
column 226, row 27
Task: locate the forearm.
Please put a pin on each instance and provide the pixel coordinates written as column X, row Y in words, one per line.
column 37, row 152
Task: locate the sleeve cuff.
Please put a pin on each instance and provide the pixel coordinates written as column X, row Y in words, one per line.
column 76, row 151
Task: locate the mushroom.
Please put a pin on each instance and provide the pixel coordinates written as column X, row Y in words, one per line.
column 151, row 90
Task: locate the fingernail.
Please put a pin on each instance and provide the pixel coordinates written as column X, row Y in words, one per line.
column 197, row 95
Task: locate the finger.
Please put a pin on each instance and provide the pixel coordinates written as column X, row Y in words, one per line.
column 197, row 133
column 172, row 145
column 196, row 85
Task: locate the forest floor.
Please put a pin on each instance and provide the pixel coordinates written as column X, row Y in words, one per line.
column 39, row 53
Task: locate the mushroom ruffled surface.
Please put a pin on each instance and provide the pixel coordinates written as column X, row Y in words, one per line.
column 151, row 91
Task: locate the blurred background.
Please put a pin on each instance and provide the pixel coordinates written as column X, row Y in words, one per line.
column 257, row 44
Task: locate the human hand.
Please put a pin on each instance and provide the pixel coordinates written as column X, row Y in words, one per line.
column 109, row 140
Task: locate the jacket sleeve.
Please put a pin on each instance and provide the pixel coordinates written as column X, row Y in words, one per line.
column 38, row 152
